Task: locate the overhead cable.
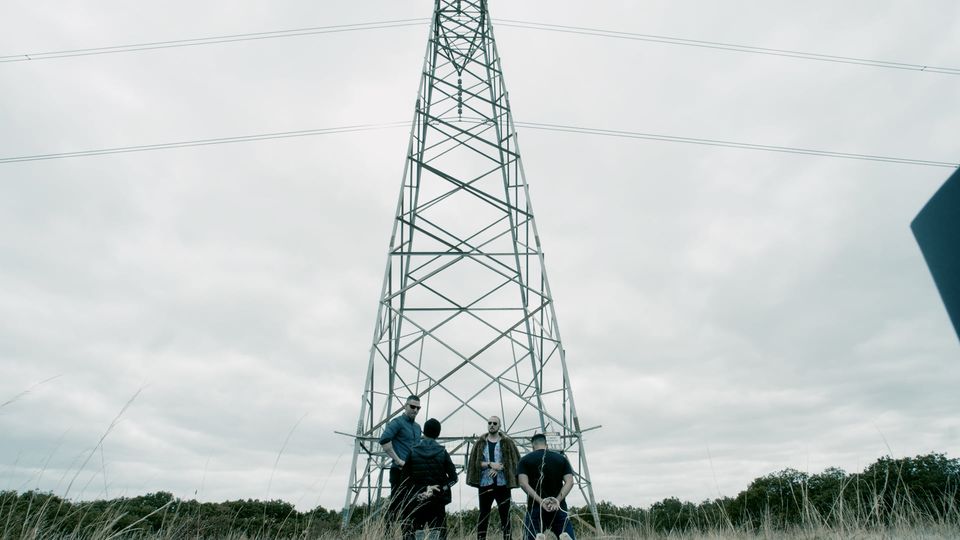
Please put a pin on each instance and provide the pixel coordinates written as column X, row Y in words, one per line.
column 204, row 142
column 530, row 25
column 529, row 125
column 231, row 38
column 731, row 144
column 725, row 46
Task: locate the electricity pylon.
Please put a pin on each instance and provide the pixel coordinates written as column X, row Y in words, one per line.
column 466, row 318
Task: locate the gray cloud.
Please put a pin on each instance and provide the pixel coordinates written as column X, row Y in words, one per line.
column 726, row 313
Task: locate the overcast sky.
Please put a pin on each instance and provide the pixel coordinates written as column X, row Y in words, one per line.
column 727, row 313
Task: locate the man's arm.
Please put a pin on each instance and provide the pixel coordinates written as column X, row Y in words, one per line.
column 476, row 457
column 567, row 486
column 386, row 442
column 405, row 472
column 388, row 448
column 451, row 471
column 488, row 468
column 524, row 482
column 554, row 502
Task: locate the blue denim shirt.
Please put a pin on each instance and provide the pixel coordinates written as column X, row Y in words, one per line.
column 403, row 433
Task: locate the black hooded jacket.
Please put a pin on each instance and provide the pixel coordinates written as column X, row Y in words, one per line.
column 429, row 464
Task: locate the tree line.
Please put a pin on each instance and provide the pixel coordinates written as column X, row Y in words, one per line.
column 887, row 492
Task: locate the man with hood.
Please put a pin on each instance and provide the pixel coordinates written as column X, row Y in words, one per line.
column 429, row 473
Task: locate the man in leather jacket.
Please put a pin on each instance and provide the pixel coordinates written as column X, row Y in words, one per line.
column 429, row 473
column 492, row 469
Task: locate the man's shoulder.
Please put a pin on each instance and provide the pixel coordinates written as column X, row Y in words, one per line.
column 402, row 420
column 389, row 430
column 560, row 461
column 544, row 455
column 536, row 455
column 427, row 446
column 417, row 450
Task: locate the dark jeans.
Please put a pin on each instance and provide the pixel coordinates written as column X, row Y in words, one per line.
column 539, row 520
column 488, row 494
column 433, row 514
column 398, row 497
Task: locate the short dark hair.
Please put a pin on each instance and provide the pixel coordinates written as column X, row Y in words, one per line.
column 431, row 428
column 413, row 397
column 538, row 437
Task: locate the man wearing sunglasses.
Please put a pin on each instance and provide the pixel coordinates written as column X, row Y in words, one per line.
column 492, row 468
column 397, row 439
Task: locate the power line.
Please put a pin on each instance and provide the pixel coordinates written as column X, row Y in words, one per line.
column 530, row 25
column 232, row 38
column 204, row 142
column 732, row 144
column 725, row 46
column 529, row 125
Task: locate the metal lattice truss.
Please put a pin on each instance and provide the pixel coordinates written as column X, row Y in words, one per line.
column 466, row 318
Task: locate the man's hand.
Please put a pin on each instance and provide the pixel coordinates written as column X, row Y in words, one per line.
column 428, row 493
column 401, row 462
column 550, row 504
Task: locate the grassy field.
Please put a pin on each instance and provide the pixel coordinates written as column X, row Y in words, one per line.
column 906, row 525
column 909, row 527
column 908, row 498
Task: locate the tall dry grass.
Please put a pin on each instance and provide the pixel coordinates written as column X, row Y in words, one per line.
column 890, row 510
column 905, row 520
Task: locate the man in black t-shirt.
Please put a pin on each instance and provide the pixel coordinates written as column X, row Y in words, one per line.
column 546, row 477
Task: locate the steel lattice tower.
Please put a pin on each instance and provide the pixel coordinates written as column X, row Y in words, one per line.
column 466, row 318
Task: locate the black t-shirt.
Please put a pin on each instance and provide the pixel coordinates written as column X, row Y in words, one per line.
column 554, row 466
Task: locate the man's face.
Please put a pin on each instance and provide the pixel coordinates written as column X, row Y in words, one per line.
column 411, row 409
column 493, row 425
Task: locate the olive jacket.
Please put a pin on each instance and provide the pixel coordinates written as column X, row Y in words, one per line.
column 508, row 452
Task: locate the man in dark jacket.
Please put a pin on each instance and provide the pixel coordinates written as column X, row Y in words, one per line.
column 429, row 472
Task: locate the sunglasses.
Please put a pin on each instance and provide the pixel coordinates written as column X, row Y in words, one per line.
column 493, row 423
column 414, row 407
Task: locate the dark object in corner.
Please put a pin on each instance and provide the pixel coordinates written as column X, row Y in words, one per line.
column 937, row 230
